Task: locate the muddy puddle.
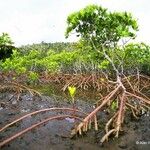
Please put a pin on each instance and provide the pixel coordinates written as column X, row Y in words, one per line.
column 55, row 134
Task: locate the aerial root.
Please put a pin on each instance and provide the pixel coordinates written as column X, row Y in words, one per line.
column 105, row 137
column 39, row 123
column 83, row 81
column 18, row 89
column 6, row 141
column 124, row 100
column 39, row 111
column 120, row 114
column 117, row 91
column 107, row 126
column 92, row 116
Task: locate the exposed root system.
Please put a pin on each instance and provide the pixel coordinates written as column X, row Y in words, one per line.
column 9, row 139
column 83, row 81
column 134, row 100
column 126, row 93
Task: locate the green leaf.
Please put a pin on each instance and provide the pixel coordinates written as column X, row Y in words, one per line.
column 72, row 90
column 114, row 105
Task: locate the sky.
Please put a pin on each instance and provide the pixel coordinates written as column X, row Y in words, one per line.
column 34, row 21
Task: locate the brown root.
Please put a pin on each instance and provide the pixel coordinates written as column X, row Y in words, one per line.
column 40, row 123
column 124, row 99
column 6, row 141
column 127, row 92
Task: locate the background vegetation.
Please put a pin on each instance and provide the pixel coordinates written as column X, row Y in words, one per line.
column 100, row 30
column 103, row 58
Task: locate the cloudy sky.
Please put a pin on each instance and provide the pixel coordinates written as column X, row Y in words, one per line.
column 33, row 21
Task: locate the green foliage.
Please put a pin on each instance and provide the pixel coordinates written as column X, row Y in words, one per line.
column 5, row 39
column 131, row 57
column 72, row 91
column 96, row 24
column 104, row 64
column 15, row 64
column 98, row 28
column 6, row 47
column 137, row 52
column 137, row 56
column 81, row 59
column 114, row 105
column 74, row 58
column 33, row 77
column 44, row 47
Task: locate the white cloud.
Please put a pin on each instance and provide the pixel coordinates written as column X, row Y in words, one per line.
column 32, row 21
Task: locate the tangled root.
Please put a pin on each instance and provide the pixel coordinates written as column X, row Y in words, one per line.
column 126, row 96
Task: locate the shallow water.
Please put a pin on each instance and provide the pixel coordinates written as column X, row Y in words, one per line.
column 55, row 135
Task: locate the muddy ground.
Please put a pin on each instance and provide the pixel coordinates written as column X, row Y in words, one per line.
column 55, row 135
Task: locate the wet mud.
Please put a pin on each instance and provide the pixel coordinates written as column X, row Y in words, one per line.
column 55, row 134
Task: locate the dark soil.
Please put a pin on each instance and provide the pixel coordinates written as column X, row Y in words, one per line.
column 55, row 135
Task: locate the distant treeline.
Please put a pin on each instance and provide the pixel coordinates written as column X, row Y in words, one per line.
column 57, row 46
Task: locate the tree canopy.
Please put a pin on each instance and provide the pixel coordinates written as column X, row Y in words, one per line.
column 5, row 39
column 97, row 24
column 6, row 46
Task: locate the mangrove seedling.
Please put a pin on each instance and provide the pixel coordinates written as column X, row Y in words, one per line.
column 72, row 91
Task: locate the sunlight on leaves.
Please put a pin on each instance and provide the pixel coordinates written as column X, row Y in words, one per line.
column 72, row 90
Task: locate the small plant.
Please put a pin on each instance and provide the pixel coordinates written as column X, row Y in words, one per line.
column 114, row 106
column 72, row 91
